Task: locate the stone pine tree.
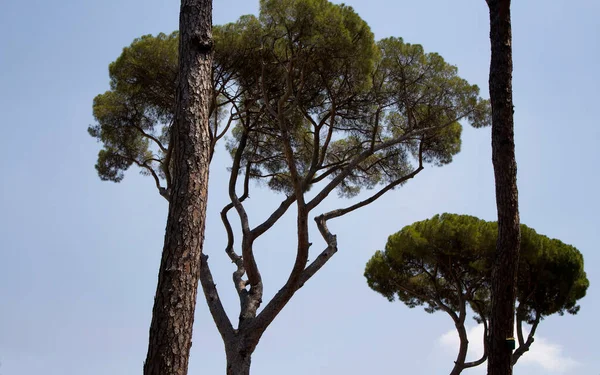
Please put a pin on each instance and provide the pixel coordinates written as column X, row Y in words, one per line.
column 504, row 274
column 147, row 119
column 444, row 264
column 310, row 104
column 188, row 162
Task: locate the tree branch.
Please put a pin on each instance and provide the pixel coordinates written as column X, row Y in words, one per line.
column 240, row 284
column 161, row 190
column 524, row 346
column 325, row 255
column 250, row 265
column 374, row 197
column 149, row 136
column 360, row 158
column 485, row 338
column 276, row 215
column 214, row 302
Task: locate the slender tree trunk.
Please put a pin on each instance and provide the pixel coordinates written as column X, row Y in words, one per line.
column 175, row 301
column 504, row 274
column 459, row 364
column 239, row 355
column 238, row 363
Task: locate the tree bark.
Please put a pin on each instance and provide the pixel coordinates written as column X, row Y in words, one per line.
column 504, row 273
column 175, row 301
column 239, row 356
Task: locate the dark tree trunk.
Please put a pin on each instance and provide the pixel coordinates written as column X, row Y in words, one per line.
column 175, row 301
column 459, row 364
column 504, row 274
column 239, row 356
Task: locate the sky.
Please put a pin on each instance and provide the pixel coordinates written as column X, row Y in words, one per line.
column 79, row 257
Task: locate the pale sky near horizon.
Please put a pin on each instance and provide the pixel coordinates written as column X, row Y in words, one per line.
column 79, row 257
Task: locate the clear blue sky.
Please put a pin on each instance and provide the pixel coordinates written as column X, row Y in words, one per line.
column 79, row 257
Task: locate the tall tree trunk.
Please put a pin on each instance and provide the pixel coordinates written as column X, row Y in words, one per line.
column 504, row 274
column 175, row 301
